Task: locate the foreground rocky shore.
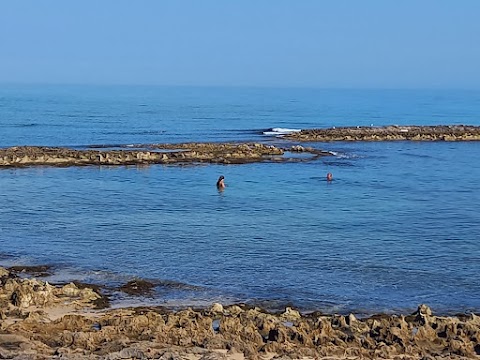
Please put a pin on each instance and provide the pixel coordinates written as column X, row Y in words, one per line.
column 42, row 321
column 222, row 153
column 390, row 133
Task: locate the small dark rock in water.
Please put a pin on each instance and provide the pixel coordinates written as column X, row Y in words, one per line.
column 138, row 287
column 37, row 271
column 102, row 303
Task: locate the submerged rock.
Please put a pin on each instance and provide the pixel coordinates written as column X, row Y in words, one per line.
column 38, row 270
column 138, row 287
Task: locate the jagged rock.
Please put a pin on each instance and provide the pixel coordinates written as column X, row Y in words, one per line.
column 149, row 333
column 234, row 310
column 3, row 272
column 291, row 314
column 70, row 290
column 424, row 310
column 351, row 319
column 217, row 308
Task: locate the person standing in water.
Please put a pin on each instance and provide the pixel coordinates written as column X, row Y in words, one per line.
column 221, row 183
column 329, row 177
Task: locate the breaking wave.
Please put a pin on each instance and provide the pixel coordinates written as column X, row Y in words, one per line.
column 280, row 131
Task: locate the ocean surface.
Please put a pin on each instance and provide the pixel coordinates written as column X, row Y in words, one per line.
column 398, row 226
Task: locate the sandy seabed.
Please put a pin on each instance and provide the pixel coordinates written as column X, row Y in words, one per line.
column 73, row 321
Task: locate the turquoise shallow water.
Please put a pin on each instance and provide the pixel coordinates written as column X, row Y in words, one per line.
column 397, row 227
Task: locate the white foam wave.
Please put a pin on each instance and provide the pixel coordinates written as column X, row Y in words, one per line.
column 345, row 155
column 286, row 130
column 280, row 131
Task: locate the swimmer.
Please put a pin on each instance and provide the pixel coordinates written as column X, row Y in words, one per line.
column 329, row 177
column 221, row 182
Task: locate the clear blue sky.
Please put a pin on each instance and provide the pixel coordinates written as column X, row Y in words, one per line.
column 321, row 43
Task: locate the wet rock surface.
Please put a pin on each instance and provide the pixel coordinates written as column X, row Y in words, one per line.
column 37, row 271
column 28, row 330
column 390, row 133
column 138, row 287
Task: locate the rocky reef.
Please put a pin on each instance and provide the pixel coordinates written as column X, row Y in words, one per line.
column 42, row 321
column 228, row 153
column 390, row 133
column 222, row 153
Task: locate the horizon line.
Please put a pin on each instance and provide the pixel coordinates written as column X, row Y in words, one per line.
column 239, row 86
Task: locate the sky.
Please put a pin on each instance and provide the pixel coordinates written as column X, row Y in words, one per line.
column 274, row 43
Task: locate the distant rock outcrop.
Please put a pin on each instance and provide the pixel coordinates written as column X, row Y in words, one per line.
column 390, row 133
column 219, row 153
column 151, row 154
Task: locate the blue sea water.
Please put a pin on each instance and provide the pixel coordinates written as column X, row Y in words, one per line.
column 398, row 226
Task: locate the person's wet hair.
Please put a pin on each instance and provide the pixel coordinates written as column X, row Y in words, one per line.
column 220, row 183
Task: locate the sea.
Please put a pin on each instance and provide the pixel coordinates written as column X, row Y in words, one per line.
column 397, row 227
